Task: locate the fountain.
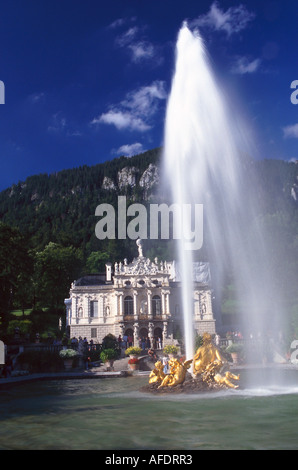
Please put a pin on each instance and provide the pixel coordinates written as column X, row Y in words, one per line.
column 210, row 372
column 204, row 162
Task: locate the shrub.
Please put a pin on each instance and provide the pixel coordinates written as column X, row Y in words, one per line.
column 170, row 349
column 23, row 325
column 68, row 353
column 133, row 350
column 108, row 355
column 235, row 348
column 110, row 342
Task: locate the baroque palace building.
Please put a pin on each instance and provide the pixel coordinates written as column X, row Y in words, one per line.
column 139, row 299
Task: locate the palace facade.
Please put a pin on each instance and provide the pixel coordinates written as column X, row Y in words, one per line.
column 138, row 299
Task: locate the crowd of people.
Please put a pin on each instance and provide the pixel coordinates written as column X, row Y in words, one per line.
column 144, row 342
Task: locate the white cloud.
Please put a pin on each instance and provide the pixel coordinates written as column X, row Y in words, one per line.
column 141, row 50
column 117, row 23
column 243, row 65
column 58, row 123
column 145, row 100
column 135, row 111
column 231, row 21
column 120, row 22
column 130, row 149
column 126, row 38
column 291, row 131
column 122, row 120
column 138, row 47
column 61, row 126
column 36, row 97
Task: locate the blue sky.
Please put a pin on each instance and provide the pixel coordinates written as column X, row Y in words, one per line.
column 87, row 81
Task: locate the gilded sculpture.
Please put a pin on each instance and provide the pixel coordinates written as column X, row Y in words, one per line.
column 207, row 364
column 206, row 355
column 177, row 373
column 157, row 374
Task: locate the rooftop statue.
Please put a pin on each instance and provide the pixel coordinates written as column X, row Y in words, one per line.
column 140, row 247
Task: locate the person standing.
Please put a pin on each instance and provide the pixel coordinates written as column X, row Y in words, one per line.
column 165, row 364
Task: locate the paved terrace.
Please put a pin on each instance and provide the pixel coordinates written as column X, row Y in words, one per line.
column 120, row 370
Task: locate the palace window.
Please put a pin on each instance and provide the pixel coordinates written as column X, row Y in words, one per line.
column 128, row 305
column 93, row 332
column 94, row 308
column 156, row 306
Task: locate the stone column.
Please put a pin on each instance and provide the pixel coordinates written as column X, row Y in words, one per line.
column 164, row 332
column 68, row 303
column 136, row 333
column 121, row 303
column 163, row 303
column 150, row 330
column 167, row 302
column 149, row 301
column 135, row 305
column 73, row 312
column 87, row 307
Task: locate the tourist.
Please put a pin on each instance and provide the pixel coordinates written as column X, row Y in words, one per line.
column 152, row 355
column 165, row 364
column 159, row 343
column 148, row 343
column 125, row 341
column 143, row 344
column 130, row 340
column 74, row 343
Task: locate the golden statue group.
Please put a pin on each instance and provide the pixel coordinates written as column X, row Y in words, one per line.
column 207, row 364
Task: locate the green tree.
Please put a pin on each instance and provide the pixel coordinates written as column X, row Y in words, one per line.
column 56, row 267
column 96, row 262
column 15, row 267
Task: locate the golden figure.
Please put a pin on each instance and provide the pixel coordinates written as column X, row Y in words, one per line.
column 177, row 373
column 206, row 355
column 157, row 374
column 209, row 363
column 225, row 379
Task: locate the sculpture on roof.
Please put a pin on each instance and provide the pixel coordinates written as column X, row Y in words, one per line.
column 140, row 247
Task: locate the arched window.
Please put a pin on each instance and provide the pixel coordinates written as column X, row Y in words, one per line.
column 156, row 306
column 128, row 305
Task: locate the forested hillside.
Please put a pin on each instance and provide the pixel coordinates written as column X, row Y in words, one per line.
column 48, row 227
column 60, row 207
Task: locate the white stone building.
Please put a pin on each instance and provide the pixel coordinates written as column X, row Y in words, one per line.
column 141, row 299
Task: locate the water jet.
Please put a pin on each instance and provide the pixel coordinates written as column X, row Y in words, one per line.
column 205, row 162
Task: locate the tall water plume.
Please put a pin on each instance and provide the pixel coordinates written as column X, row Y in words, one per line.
column 204, row 162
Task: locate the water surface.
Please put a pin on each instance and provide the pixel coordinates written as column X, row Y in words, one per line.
column 115, row 414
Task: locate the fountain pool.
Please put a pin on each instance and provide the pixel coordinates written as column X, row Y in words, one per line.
column 113, row 414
